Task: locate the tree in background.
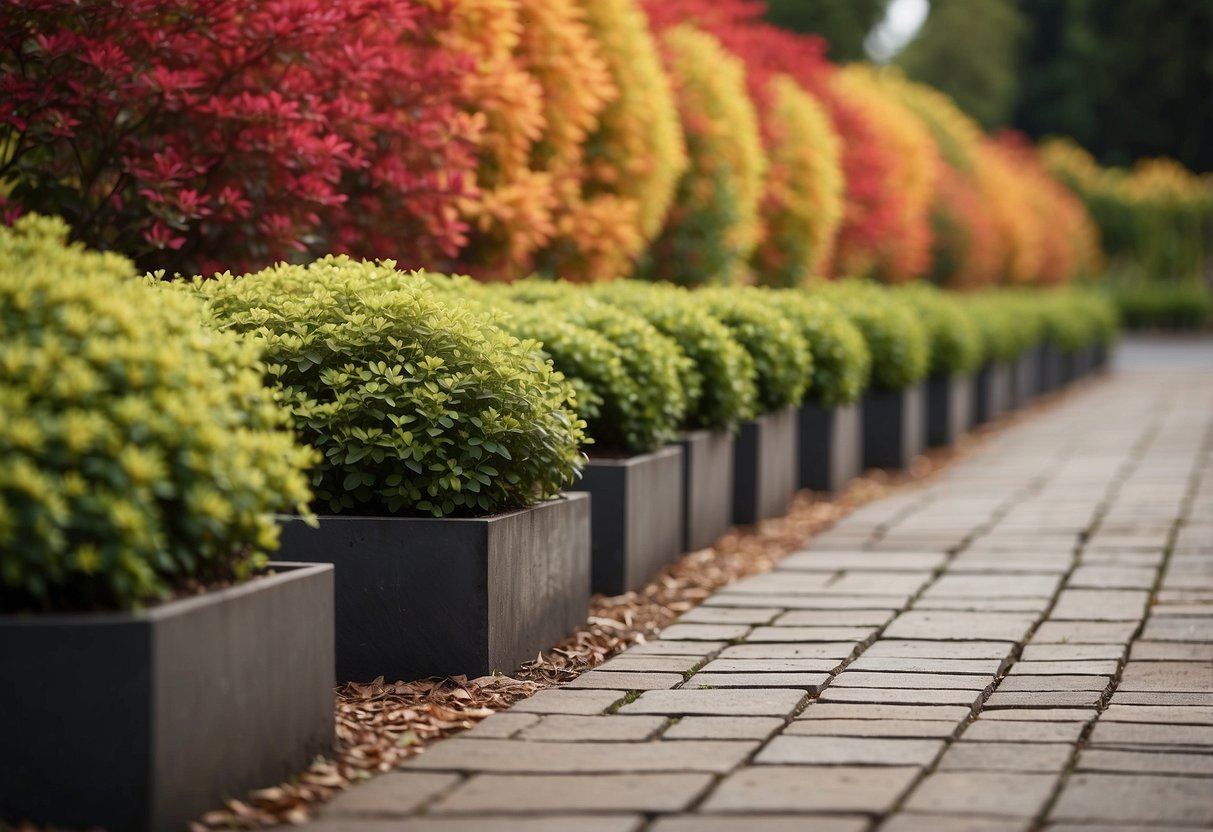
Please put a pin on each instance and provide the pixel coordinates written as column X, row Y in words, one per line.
column 968, row 49
column 844, row 24
column 1125, row 79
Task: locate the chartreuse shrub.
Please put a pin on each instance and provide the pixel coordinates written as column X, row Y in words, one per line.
column 1075, row 318
column 720, row 385
column 1144, row 304
column 842, row 364
column 783, row 363
column 417, row 402
column 898, row 342
column 140, row 454
column 1007, row 325
column 957, row 347
column 713, row 224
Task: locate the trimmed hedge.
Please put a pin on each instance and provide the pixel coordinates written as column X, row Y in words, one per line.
column 842, row 364
column 418, row 404
column 898, row 342
column 141, row 454
column 957, row 346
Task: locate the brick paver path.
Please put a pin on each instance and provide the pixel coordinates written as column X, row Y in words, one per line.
column 1026, row 643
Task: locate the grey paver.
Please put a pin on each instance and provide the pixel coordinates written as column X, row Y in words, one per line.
column 393, row 794
column 771, row 666
column 810, row 634
column 1161, row 697
column 1112, row 577
column 807, row 789
column 1188, row 677
column 960, row 626
column 1145, row 762
column 1135, row 797
column 568, row 728
column 902, row 696
column 1170, row 714
column 1008, row 794
column 830, row 650
column 915, row 822
column 933, row 681
column 1024, row 682
column 676, row 648
column 985, row 729
column 843, row 710
column 481, row 822
column 1100, row 605
column 502, row 724
column 730, row 615
column 513, row 756
column 911, row 728
column 604, row 680
column 835, row 618
column 1044, row 699
column 748, row 702
column 833, row 750
column 560, row 701
column 1005, row 756
column 723, row 728
column 1042, row 714
column 891, row 648
column 1134, row 733
column 1073, row 652
column 630, row 663
column 575, row 793
column 1084, row 632
column 809, row 682
column 836, row 560
column 980, row 667
column 704, row 632
column 993, row 586
column 1103, row 667
column 1033, row 605
column 808, row 601
column 761, row 823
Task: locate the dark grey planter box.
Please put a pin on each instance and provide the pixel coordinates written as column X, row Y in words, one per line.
column 421, row 596
column 992, row 391
column 894, row 427
column 707, row 487
column 1049, row 370
column 765, row 467
column 831, row 447
column 949, row 409
column 1071, row 366
column 145, row 721
column 637, row 517
column 1103, row 356
column 1023, row 378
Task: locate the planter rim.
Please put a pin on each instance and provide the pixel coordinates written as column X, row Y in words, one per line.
column 635, row 459
column 484, row 518
column 691, row 433
column 285, row 572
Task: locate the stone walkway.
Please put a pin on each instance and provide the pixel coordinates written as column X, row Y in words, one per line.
column 1026, row 643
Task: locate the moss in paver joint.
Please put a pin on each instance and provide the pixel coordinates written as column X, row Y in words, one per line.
column 628, row 698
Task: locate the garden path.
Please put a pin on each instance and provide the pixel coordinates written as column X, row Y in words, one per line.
column 1026, row 642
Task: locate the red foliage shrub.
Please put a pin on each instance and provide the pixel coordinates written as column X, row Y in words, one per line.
column 194, row 134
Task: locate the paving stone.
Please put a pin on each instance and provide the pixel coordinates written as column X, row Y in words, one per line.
column 891, row 648
column 960, row 626
column 1190, row 677
column 807, row 789
column 1170, row 714
column 576, row 793
column 1008, row 794
column 834, row 561
column 1134, row 733
column 1150, row 558
column 809, row 682
column 831, row 750
column 978, row 667
column 561, row 701
column 911, row 728
column 771, row 666
column 675, row 648
column 515, row 756
column 729, row 615
column 827, row 650
column 993, row 586
column 1044, row 699
column 808, row 601
column 393, row 794
column 1146, row 762
column 1100, row 605
column 856, row 635
column 603, row 680
column 1047, row 683
column 933, row 681
column 1124, row 798
column 874, row 583
column 883, row 712
column 984, row 729
column 1084, row 632
column 761, row 823
column 1112, row 577
column 968, row 755
column 628, row 663
column 915, row 822
column 480, row 823
column 906, row 696
column 835, row 618
column 1102, row 667
column 502, row 724
column 1032, row 605
column 1085, row 827
column 1161, row 697
column 568, row 728
column 704, row 632
column 1042, row 714
column 1072, row 652
column 748, row 702
column 723, row 728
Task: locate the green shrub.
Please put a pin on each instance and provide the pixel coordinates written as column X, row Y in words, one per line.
column 418, row 403
column 1001, row 325
column 140, row 454
column 898, row 342
column 842, row 364
column 957, row 347
column 1178, row 305
column 720, row 385
column 783, row 363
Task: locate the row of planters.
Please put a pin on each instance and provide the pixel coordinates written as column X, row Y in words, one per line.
column 451, row 468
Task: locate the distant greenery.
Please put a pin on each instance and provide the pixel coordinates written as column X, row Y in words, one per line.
column 844, row 23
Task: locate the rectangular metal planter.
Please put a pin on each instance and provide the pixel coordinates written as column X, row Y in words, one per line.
column 831, row 450
column 707, row 487
column 637, row 517
column 992, row 392
column 144, row 721
column 1023, row 378
column 1049, row 368
column 765, row 467
column 894, row 426
column 423, row 596
column 949, row 409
